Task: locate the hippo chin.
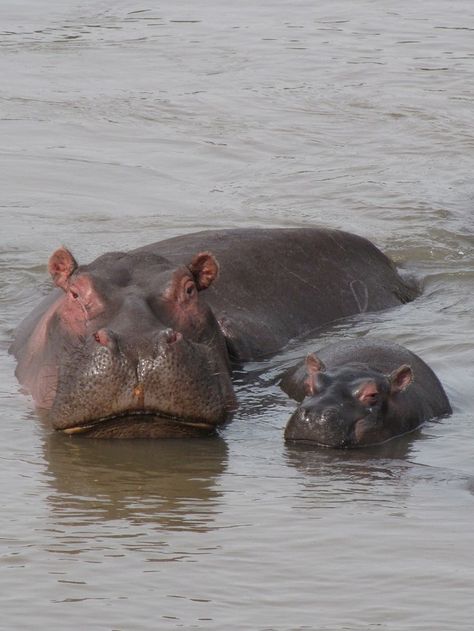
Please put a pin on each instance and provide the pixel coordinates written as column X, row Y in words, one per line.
column 361, row 393
column 141, row 343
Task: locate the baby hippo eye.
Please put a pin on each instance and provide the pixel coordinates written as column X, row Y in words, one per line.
column 189, row 289
column 74, row 294
column 367, row 393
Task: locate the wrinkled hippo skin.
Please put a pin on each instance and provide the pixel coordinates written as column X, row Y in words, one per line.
column 136, row 337
column 361, row 392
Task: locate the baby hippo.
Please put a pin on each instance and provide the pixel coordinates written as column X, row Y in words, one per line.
column 361, row 392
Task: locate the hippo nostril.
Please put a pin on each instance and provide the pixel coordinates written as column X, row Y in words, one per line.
column 330, row 415
column 171, row 337
column 106, row 338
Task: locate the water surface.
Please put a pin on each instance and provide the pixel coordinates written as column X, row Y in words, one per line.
column 124, row 123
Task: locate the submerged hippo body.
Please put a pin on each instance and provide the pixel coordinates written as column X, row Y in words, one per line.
column 361, row 392
column 151, row 333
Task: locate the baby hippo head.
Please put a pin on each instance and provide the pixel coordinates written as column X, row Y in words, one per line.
column 352, row 406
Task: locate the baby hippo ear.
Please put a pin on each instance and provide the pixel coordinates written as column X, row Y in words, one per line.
column 401, row 378
column 61, row 265
column 205, row 269
column 313, row 366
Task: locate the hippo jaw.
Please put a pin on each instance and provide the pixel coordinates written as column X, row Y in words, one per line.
column 140, row 424
column 334, row 431
column 304, row 427
column 182, row 389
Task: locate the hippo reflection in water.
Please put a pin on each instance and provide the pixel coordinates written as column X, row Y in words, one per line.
column 140, row 344
column 361, row 392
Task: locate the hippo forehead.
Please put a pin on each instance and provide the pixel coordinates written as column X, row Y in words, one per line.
column 118, row 269
column 342, row 382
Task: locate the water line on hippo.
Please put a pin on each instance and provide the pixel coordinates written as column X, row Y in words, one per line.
column 173, row 317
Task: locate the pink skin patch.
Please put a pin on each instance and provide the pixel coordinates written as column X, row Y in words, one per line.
column 38, row 338
column 38, row 370
column 181, row 295
column 44, row 386
column 362, row 431
column 181, row 300
column 80, row 304
column 39, row 378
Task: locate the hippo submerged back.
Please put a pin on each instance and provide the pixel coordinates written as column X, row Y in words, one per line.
column 279, row 284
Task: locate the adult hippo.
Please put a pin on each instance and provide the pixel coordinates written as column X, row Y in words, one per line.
column 140, row 343
column 361, row 392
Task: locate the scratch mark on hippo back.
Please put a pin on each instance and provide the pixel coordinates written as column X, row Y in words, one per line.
column 298, row 277
column 361, row 294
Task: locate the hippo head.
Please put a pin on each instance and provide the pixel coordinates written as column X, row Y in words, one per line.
column 128, row 345
column 349, row 407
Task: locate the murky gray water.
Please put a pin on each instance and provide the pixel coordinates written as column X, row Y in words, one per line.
column 122, row 123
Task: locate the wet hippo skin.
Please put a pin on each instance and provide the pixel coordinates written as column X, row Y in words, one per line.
column 140, row 344
column 361, row 392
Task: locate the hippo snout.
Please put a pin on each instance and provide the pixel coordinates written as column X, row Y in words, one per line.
column 325, row 427
column 169, row 337
column 161, row 374
column 107, row 338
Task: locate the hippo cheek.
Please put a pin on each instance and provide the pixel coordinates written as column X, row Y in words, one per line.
column 100, row 387
column 41, row 383
column 369, row 431
column 189, row 383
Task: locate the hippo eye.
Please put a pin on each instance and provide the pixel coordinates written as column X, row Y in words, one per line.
column 74, row 294
column 370, row 400
column 189, row 289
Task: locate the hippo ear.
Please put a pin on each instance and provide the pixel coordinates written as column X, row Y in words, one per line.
column 205, row 269
column 313, row 366
column 61, row 265
column 401, row 378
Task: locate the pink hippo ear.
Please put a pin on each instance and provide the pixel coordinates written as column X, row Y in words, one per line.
column 61, row 265
column 313, row 366
column 401, row 378
column 205, row 269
